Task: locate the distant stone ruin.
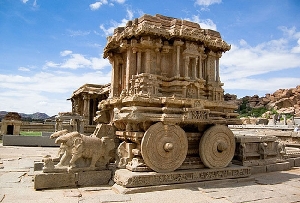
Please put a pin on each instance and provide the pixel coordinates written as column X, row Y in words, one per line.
column 11, row 123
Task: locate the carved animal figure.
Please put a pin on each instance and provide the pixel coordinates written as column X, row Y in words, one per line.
column 82, row 146
column 62, row 147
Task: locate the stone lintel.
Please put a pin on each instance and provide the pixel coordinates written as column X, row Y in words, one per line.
column 130, row 179
column 59, row 180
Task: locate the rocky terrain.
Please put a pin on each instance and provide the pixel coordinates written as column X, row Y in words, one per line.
column 282, row 101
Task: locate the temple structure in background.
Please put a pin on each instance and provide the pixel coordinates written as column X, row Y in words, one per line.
column 85, row 100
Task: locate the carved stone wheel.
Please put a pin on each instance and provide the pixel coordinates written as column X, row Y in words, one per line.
column 217, row 146
column 164, row 147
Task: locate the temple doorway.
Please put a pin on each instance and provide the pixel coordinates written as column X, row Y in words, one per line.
column 10, row 129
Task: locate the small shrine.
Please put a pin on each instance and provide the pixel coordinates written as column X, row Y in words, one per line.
column 11, row 124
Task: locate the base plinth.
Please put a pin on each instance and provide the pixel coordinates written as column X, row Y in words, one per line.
column 129, row 179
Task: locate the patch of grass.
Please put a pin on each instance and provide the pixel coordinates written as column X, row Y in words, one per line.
column 30, row 133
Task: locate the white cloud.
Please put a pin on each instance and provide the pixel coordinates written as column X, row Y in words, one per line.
column 24, row 1
column 74, row 33
column 107, row 31
column 98, row 4
column 99, row 63
column 208, row 24
column 204, row 24
column 207, row 2
column 110, row 30
column 120, row 1
column 76, row 61
column 35, row 3
column 244, row 65
column 50, row 64
column 129, row 14
column 44, row 91
column 23, row 69
column 296, row 49
column 65, row 53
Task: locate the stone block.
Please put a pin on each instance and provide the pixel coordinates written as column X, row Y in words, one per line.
column 92, row 178
column 284, row 166
column 38, row 166
column 54, row 180
column 64, row 179
column 297, row 162
column 291, row 161
column 258, row 169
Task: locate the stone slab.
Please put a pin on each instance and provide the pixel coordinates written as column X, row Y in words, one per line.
column 284, row 166
column 258, row 169
column 130, row 179
column 60, row 180
column 38, row 166
column 297, row 162
column 54, row 180
column 292, row 162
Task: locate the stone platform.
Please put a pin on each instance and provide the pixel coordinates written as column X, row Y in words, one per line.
column 127, row 179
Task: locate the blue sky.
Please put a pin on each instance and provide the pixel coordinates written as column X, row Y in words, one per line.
column 50, row 48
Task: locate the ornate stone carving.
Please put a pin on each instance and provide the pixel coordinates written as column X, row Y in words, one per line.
column 258, row 150
column 78, row 151
column 126, row 179
column 164, row 147
column 165, row 85
column 217, row 147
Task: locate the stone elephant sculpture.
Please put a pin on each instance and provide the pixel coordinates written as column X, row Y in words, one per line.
column 76, row 146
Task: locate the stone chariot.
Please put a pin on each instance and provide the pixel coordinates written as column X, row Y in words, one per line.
column 166, row 100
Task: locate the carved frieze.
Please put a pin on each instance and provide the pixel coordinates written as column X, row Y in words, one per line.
column 127, row 179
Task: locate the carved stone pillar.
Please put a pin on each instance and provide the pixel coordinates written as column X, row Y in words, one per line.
column 186, row 66
column 86, row 107
column 194, row 68
column 178, row 43
column 139, row 62
column 128, row 69
column 148, row 61
column 218, row 56
column 210, row 66
column 158, row 62
column 200, row 61
column 114, row 76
